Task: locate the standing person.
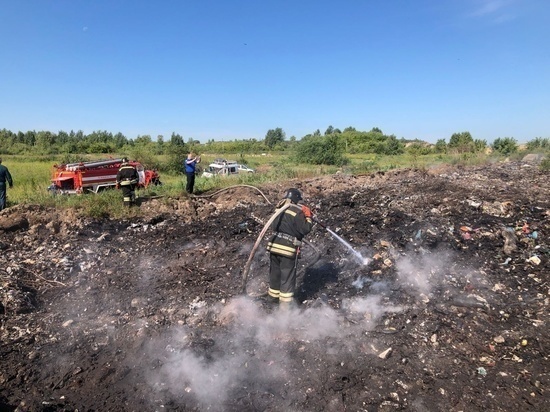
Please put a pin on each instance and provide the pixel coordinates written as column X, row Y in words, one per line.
column 5, row 177
column 190, row 169
column 127, row 178
column 290, row 228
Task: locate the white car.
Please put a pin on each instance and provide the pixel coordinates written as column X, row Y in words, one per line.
column 221, row 167
column 245, row 168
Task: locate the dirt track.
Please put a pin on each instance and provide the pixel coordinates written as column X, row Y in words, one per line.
column 147, row 314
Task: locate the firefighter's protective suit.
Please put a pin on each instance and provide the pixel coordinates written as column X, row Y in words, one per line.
column 290, row 227
column 5, row 178
column 127, row 179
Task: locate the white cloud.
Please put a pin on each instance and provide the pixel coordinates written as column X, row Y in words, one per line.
column 496, row 11
column 489, row 7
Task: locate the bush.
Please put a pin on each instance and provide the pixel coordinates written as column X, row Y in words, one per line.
column 539, row 144
column 545, row 165
column 321, row 150
column 176, row 156
column 505, row 146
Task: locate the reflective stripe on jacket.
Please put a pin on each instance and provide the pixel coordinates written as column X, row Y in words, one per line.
column 127, row 175
column 293, row 223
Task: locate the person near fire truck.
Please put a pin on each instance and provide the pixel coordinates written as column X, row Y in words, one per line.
column 190, row 170
column 290, row 227
column 127, row 179
column 5, row 178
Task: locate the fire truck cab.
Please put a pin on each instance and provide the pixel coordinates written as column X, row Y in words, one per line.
column 74, row 178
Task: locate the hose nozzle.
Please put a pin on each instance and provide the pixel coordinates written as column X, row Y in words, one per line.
column 319, row 223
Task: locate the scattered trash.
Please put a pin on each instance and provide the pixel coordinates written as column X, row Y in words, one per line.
column 516, row 358
column 498, row 339
column 510, row 240
column 482, row 371
column 67, row 323
column 473, row 203
column 534, row 259
column 484, row 309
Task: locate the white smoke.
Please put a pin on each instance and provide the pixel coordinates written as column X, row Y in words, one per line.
column 415, row 274
column 254, row 346
column 421, row 273
column 208, row 380
column 370, row 307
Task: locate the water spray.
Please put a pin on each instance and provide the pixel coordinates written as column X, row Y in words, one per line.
column 363, row 260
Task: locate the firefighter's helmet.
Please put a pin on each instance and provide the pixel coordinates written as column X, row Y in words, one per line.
column 124, row 160
column 294, row 195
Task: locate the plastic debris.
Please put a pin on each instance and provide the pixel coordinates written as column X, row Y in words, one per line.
column 385, row 354
column 535, row 260
column 482, row 371
column 498, row 339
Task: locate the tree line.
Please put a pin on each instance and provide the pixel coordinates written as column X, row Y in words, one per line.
column 329, row 147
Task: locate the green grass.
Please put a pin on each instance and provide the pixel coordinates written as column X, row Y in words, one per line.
column 32, row 176
column 30, row 179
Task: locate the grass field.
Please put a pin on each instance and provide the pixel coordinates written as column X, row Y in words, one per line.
column 32, row 176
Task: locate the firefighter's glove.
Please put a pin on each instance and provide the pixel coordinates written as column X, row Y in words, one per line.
column 307, row 211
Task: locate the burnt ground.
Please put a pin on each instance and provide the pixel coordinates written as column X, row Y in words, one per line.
column 449, row 312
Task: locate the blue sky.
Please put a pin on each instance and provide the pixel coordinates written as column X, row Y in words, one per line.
column 234, row 69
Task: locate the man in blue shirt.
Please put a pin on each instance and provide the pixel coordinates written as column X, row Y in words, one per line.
column 190, row 168
column 5, row 177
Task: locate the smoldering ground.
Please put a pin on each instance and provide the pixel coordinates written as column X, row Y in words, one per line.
column 250, row 351
column 127, row 318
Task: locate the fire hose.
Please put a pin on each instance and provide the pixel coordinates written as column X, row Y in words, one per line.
column 232, row 187
column 280, row 210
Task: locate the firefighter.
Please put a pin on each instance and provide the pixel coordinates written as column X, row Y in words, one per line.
column 127, row 179
column 5, row 177
column 290, row 227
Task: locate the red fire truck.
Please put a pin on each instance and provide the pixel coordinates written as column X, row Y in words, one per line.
column 74, row 178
